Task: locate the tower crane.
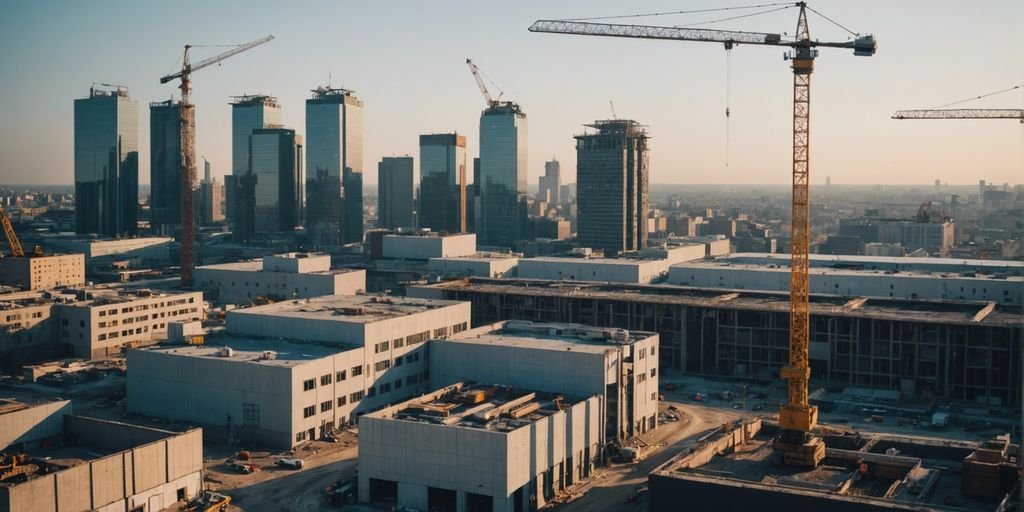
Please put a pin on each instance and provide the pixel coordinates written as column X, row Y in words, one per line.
column 491, row 101
column 12, row 237
column 961, row 113
column 187, row 174
column 797, row 445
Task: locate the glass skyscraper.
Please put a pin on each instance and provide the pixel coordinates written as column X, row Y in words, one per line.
column 443, row 182
column 106, row 162
column 248, row 113
column 612, row 179
column 395, row 192
column 276, row 164
column 165, row 166
column 503, row 175
column 334, row 160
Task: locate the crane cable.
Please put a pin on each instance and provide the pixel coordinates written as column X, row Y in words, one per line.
column 982, row 96
column 669, row 13
column 728, row 90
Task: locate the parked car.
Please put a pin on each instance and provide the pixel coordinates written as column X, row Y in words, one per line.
column 289, row 463
column 244, row 468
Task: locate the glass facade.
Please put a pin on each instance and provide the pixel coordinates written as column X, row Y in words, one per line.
column 106, row 158
column 443, row 182
column 503, row 175
column 277, row 192
column 165, row 166
column 248, row 113
column 334, row 132
column 395, row 192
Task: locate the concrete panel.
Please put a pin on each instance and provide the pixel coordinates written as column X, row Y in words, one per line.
column 150, row 465
column 108, row 480
column 34, row 423
column 32, row 496
column 185, row 454
column 112, row 435
column 74, row 489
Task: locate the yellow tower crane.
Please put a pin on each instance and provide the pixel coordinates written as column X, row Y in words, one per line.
column 12, row 237
column 187, row 175
column 797, row 445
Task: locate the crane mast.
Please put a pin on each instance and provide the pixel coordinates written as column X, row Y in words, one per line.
column 12, row 238
column 187, row 175
column 797, row 417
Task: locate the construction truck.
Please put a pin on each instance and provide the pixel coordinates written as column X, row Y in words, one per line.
column 208, row 501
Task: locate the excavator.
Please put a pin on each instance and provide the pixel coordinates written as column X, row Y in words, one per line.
column 12, row 238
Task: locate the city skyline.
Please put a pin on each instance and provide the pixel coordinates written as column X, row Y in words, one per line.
column 680, row 94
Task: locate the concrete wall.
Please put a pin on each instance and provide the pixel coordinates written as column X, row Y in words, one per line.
column 237, row 286
column 426, row 247
column 28, row 334
column 466, row 460
column 852, row 283
column 297, row 263
column 148, row 476
column 480, row 267
column 635, row 271
column 43, row 272
column 33, row 423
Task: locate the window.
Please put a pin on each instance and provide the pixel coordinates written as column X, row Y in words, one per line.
column 382, row 365
column 371, row 392
column 251, row 415
column 652, row 351
column 398, row 384
column 308, row 384
column 654, row 371
column 384, row 388
column 300, row 437
column 440, row 333
column 326, row 406
column 308, row 411
column 325, row 379
column 355, row 397
column 417, row 338
column 101, row 337
column 381, row 347
column 357, row 371
column 643, row 353
column 398, row 342
column 342, row 400
column 398, row 361
column 457, row 328
column 412, row 358
column 340, row 376
column 654, row 396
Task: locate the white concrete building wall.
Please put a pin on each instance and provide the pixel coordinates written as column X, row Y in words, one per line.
column 853, row 283
column 97, row 330
column 297, row 263
column 238, row 286
column 43, row 272
column 675, row 253
column 479, row 267
column 633, row 271
column 33, row 423
column 418, row 456
column 426, row 247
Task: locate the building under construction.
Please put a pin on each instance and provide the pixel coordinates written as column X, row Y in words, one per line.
column 950, row 350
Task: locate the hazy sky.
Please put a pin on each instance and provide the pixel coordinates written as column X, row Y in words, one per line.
column 406, row 61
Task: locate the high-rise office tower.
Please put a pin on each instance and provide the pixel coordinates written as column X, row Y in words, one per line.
column 248, row 113
column 443, row 182
column 395, row 192
column 612, row 178
column 211, row 198
column 270, row 194
column 550, row 184
column 165, row 166
column 106, row 162
column 334, row 161
column 503, row 174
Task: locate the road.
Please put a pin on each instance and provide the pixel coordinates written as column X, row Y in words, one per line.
column 301, row 491
column 611, row 487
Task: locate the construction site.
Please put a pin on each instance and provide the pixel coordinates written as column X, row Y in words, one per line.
column 735, row 466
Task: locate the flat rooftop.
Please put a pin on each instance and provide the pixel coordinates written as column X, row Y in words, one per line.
column 631, row 261
column 884, row 261
column 851, row 271
column 253, row 350
column 958, row 312
column 104, row 296
column 13, row 401
column 481, row 258
column 479, row 406
column 550, row 336
column 364, row 309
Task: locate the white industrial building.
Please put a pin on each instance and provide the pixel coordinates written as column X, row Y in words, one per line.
column 103, row 322
column 714, row 245
column 139, row 251
column 295, row 371
column 27, row 332
column 479, row 265
column 619, row 366
column 77, row 463
column 426, row 245
column 864, row 276
column 478, row 448
column 43, row 272
column 278, row 277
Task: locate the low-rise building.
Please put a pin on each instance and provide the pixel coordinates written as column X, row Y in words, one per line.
column 604, row 270
column 103, row 322
column 149, row 251
column 27, row 329
column 426, row 245
column 619, row 366
column 480, row 265
column 100, row 465
column 43, row 272
column 278, row 277
column 25, row 420
column 475, row 447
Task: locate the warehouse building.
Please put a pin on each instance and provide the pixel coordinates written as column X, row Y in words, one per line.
column 152, row 251
column 478, row 265
column 100, row 323
column 27, row 329
column 951, row 350
column 475, row 448
column 92, row 464
column 642, row 267
column 295, row 371
column 43, row 272
column 426, row 245
column 277, row 277
column 619, row 366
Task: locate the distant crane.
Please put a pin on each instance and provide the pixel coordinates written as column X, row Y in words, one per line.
column 797, row 445
column 12, row 238
column 187, row 178
column 491, row 101
column 965, row 113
